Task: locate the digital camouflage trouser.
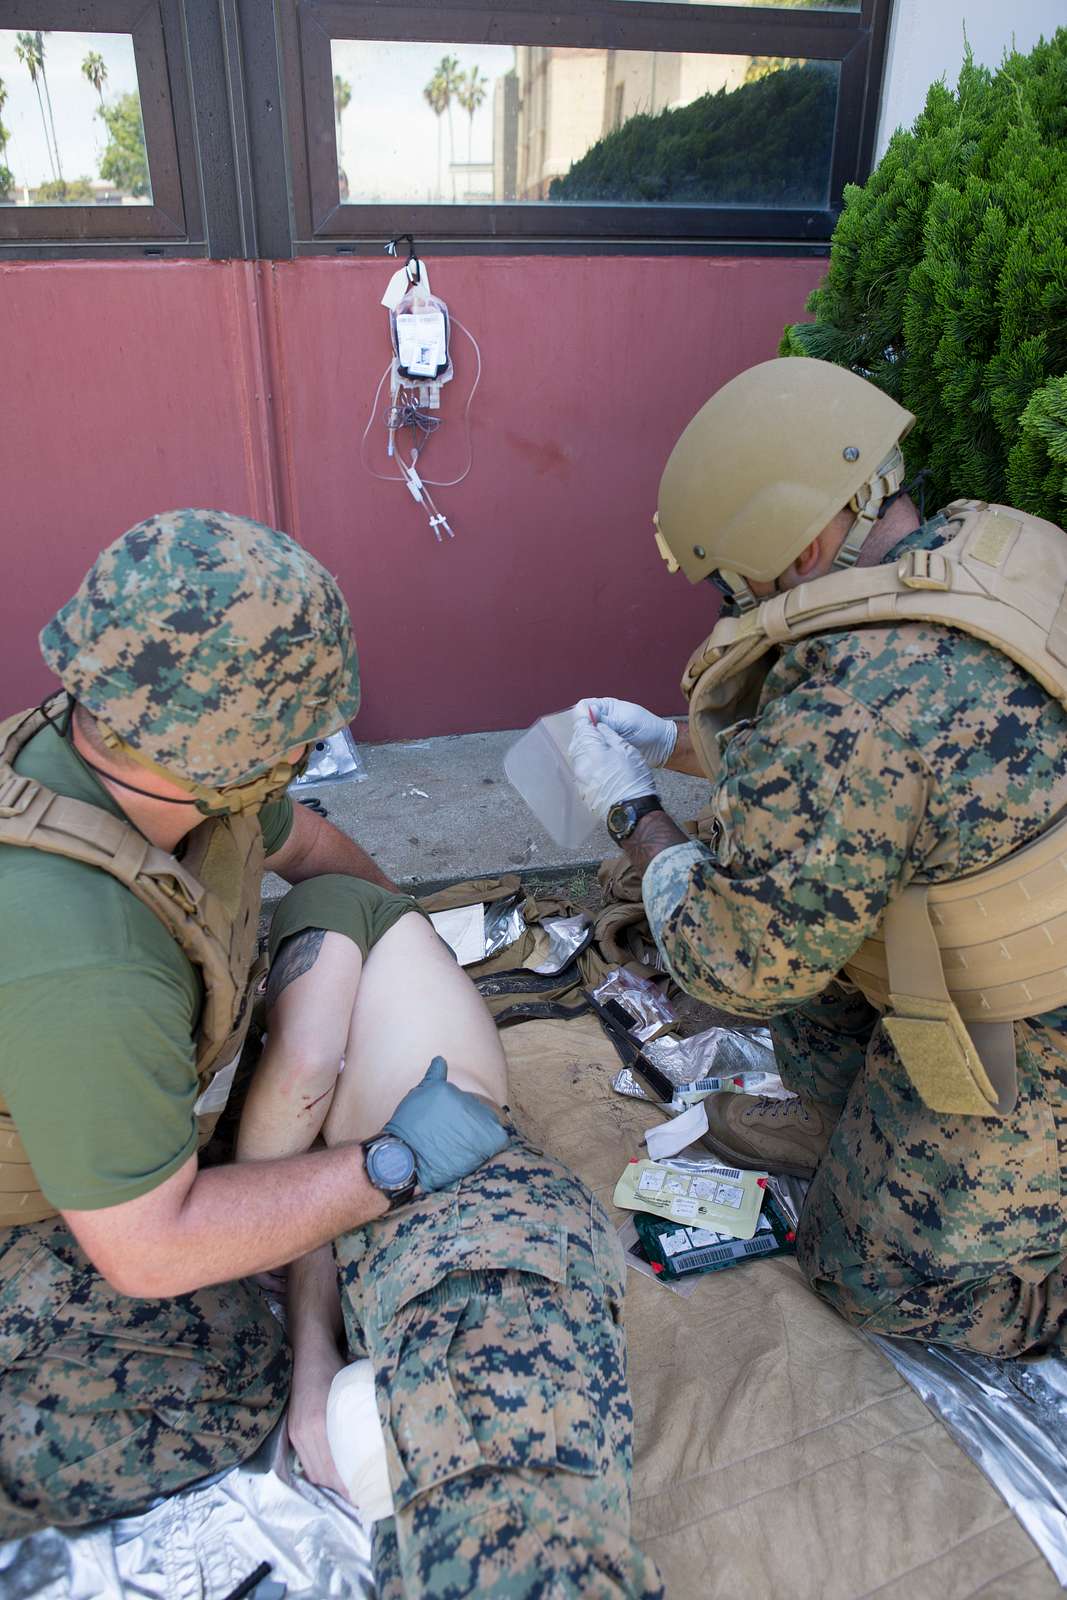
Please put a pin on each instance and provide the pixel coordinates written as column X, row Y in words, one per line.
column 107, row 1403
column 492, row 1315
column 928, row 1226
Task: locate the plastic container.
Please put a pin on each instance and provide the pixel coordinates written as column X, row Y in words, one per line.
column 538, row 766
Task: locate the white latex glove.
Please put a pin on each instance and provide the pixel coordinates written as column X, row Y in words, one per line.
column 653, row 737
column 606, row 768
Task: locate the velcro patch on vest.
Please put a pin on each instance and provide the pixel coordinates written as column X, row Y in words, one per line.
column 993, row 540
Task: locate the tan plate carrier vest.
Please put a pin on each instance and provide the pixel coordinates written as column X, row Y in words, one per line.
column 953, row 965
column 208, row 901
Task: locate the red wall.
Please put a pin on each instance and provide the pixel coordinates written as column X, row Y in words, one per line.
column 131, row 387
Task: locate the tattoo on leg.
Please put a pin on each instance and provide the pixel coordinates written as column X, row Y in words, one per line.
column 297, row 955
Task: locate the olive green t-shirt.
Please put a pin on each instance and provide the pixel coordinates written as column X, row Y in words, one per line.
column 98, row 1011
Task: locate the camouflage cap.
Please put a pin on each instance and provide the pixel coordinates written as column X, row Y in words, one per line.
column 209, row 643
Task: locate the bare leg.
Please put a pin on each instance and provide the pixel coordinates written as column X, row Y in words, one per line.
column 311, row 994
column 414, row 1003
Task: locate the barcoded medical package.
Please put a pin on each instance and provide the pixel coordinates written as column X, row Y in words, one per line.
column 673, row 1251
column 722, row 1199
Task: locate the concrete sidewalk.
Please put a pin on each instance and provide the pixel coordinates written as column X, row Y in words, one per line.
column 434, row 810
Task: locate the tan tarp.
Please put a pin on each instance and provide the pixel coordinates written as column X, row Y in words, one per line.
column 779, row 1455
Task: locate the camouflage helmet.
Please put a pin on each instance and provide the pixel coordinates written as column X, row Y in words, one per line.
column 209, row 644
column 769, row 461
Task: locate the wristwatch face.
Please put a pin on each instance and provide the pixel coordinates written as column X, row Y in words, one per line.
column 622, row 820
column 390, row 1164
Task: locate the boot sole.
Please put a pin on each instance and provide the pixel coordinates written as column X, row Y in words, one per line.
column 777, row 1169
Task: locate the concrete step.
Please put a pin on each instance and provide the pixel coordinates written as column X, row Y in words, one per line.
column 431, row 811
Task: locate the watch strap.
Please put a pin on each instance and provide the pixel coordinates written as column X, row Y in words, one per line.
column 633, row 810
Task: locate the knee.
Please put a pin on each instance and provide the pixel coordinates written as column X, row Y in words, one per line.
column 311, row 1064
column 857, row 1285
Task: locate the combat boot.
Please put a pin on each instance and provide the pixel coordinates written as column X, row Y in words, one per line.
column 783, row 1137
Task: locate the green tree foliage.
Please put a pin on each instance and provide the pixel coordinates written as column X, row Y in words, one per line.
column 436, row 94
column 948, row 283
column 94, row 71
column 764, row 143
column 7, row 177
column 470, row 94
column 342, row 99
column 29, row 49
column 125, row 161
column 64, row 191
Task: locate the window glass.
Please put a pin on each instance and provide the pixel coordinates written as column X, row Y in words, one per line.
column 432, row 123
column 70, row 120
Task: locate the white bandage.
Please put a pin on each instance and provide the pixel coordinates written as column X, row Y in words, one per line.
column 357, row 1443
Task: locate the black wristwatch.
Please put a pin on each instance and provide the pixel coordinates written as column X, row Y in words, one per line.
column 390, row 1165
column 623, row 818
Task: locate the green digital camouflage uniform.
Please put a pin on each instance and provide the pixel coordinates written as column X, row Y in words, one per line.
column 492, row 1314
column 107, row 1403
column 879, row 757
column 212, row 644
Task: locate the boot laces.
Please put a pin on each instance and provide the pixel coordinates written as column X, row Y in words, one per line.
column 769, row 1105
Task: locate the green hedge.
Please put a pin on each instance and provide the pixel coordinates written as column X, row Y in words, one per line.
column 947, row 284
column 764, row 143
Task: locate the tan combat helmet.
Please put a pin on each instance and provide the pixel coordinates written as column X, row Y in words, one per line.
column 768, row 462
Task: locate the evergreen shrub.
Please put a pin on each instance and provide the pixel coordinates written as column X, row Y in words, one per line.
column 763, row 143
column 947, row 284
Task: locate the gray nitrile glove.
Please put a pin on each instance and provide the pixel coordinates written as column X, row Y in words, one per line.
column 450, row 1131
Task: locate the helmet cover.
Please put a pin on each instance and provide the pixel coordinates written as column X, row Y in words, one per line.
column 209, row 643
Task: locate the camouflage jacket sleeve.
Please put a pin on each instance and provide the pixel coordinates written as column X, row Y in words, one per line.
column 821, row 810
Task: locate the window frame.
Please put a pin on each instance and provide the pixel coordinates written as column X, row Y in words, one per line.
column 322, row 222
column 174, row 215
column 227, row 120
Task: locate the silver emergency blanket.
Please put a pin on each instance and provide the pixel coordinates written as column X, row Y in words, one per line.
column 1010, row 1417
column 504, row 923
column 641, row 1001
column 566, row 937
column 330, row 760
column 204, row 1543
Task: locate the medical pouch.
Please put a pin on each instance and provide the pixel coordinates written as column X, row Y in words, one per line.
column 673, row 1251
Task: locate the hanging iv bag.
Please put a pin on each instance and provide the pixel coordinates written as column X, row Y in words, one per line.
column 420, row 338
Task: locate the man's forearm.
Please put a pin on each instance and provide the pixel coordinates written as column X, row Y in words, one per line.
column 655, row 832
column 254, row 1215
column 315, row 846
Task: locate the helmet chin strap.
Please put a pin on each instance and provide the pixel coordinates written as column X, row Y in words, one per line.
column 867, row 503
